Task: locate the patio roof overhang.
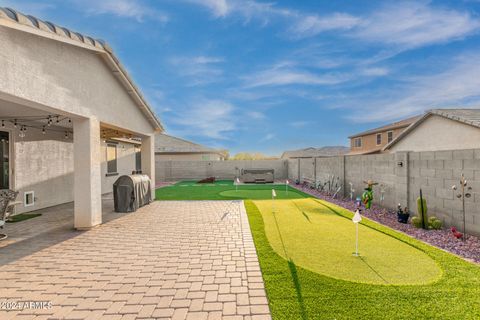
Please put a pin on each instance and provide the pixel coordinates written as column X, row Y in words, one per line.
column 15, row 20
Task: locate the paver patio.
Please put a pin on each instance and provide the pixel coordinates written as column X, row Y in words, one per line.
column 171, row 259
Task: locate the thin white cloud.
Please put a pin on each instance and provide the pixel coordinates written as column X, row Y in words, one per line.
column 457, row 86
column 415, row 24
column 247, row 9
column 255, row 115
column 267, row 137
column 375, row 72
column 219, row 8
column 299, row 124
column 290, row 76
column 302, row 24
column 134, row 9
column 311, row 25
column 213, row 119
column 200, row 70
column 29, row 7
column 401, row 25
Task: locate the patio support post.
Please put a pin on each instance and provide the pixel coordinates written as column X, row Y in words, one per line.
column 87, row 173
column 148, row 159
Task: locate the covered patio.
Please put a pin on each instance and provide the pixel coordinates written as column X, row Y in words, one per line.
column 55, row 225
column 72, row 120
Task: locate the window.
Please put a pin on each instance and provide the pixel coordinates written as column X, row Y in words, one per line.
column 111, row 159
column 379, row 139
column 138, row 159
column 389, row 136
column 4, row 160
column 357, row 142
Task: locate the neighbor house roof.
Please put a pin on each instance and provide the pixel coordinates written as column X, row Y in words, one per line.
column 16, row 20
column 466, row 116
column 169, row 144
column 329, row 151
column 392, row 126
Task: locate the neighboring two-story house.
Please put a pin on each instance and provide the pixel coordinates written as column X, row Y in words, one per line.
column 373, row 141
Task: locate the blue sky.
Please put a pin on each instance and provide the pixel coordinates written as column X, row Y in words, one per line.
column 269, row 76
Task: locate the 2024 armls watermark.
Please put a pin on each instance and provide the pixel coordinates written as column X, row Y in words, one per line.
column 10, row 305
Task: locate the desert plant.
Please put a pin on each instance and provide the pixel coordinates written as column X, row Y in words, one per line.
column 417, row 222
column 422, row 211
column 435, row 223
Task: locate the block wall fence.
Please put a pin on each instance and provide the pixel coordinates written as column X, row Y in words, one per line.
column 401, row 176
column 192, row 170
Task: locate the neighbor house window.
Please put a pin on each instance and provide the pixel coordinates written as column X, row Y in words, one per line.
column 379, row 139
column 111, row 159
column 357, row 142
column 389, row 136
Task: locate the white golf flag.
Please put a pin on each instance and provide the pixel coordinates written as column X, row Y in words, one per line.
column 274, row 194
column 357, row 217
column 287, row 182
column 237, row 181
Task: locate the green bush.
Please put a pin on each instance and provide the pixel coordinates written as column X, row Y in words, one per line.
column 417, row 222
column 435, row 223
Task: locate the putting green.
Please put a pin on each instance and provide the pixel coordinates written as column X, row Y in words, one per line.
column 313, row 236
column 258, row 194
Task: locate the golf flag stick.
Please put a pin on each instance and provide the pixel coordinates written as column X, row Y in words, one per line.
column 286, row 185
column 356, row 219
column 274, row 194
column 237, row 182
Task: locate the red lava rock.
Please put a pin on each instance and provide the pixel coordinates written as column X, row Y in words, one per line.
column 443, row 239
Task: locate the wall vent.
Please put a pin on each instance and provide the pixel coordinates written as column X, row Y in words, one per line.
column 29, row 198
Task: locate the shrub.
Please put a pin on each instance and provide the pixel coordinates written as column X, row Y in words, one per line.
column 435, row 223
column 417, row 222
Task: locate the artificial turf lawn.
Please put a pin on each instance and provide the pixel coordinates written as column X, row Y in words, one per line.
column 318, row 239
column 225, row 190
column 22, row 217
column 297, row 293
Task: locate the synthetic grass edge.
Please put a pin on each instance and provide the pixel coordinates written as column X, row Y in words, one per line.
column 296, row 293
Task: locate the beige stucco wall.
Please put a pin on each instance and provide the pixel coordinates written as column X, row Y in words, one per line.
column 188, row 157
column 438, row 133
column 125, row 164
column 61, row 76
column 44, row 164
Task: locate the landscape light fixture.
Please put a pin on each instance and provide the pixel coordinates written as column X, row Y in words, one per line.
column 464, row 192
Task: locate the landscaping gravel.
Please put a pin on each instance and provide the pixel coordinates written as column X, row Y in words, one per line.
column 443, row 239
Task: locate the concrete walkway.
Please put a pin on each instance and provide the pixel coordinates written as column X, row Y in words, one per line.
column 169, row 260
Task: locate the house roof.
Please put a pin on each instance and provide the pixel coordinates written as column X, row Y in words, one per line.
column 169, row 144
column 368, row 151
column 27, row 23
column 466, row 116
column 328, row 151
column 395, row 125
